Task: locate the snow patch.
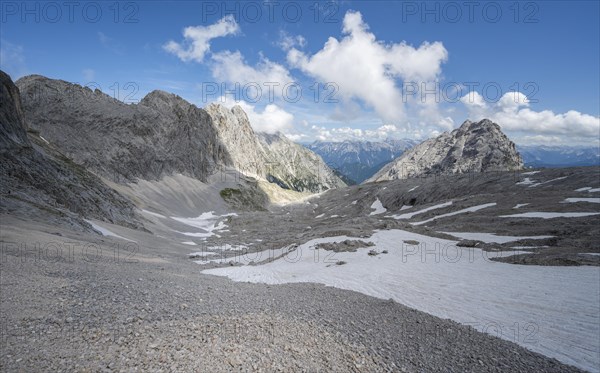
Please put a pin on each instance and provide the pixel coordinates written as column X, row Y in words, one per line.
column 411, row 214
column 551, row 215
column 561, row 303
column 463, row 211
column 492, row 237
column 207, row 221
column 590, row 200
column 519, row 205
column 106, row 232
column 410, row 190
column 245, row 257
column 378, row 207
column 154, row 214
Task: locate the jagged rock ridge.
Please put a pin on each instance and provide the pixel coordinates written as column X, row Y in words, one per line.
column 473, row 147
column 160, row 136
column 38, row 180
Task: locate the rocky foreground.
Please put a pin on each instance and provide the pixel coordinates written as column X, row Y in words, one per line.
column 97, row 308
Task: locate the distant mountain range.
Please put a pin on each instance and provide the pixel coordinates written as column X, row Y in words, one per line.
column 559, row 156
column 356, row 161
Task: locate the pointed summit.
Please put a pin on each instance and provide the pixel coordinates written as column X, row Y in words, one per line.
column 473, row 147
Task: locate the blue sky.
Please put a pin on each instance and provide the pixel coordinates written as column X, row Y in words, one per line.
column 547, row 51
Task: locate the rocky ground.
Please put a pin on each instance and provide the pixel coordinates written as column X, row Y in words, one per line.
column 347, row 212
column 77, row 302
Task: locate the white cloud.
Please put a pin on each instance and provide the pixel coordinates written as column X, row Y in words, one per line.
column 386, row 131
column 197, row 39
column 367, row 69
column 231, row 67
column 287, row 41
column 513, row 114
column 271, row 119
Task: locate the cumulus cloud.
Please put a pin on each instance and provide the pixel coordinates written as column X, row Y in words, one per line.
column 231, row 67
column 513, row 114
column 386, row 131
column 271, row 119
column 367, row 69
column 197, row 39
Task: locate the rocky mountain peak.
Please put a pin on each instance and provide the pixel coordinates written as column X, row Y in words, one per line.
column 473, row 147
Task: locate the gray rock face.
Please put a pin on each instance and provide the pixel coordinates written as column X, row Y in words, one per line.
column 296, row 167
column 270, row 156
column 163, row 134
column 160, row 136
column 12, row 125
column 37, row 180
column 473, row 147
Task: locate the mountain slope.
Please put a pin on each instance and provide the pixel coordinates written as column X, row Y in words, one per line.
column 359, row 160
column 294, row 167
column 270, row 156
column 162, row 135
column 473, row 147
column 36, row 180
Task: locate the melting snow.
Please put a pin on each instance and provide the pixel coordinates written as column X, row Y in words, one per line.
column 191, row 243
column 319, row 216
column 405, row 207
column 590, row 200
column 551, row 215
column 411, row 214
column 588, row 189
column 378, row 207
column 560, row 304
column 106, row 232
column 519, row 205
column 246, row 258
column 492, row 237
column 530, row 173
column 463, row 211
column 526, row 181
column 546, row 182
column 410, row 190
column 154, row 214
column 207, row 221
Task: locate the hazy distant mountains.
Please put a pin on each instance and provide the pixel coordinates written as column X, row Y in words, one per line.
column 559, row 156
column 359, row 160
